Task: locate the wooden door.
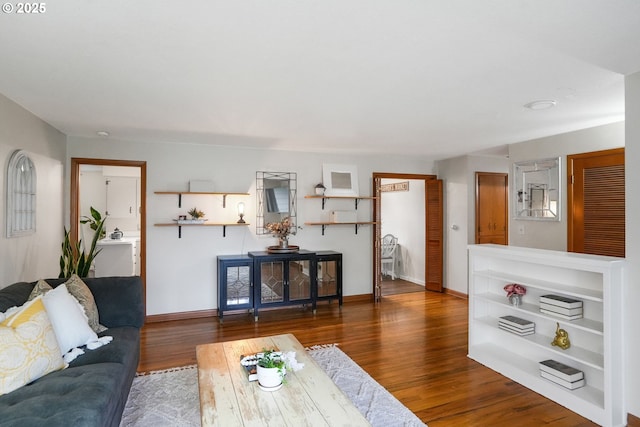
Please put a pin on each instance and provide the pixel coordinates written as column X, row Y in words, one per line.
column 492, row 192
column 434, row 264
column 596, row 203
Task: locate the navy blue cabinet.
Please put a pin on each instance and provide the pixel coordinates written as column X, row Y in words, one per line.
column 261, row 280
column 235, row 283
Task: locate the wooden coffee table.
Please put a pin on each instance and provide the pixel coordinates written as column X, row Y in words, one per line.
column 309, row 397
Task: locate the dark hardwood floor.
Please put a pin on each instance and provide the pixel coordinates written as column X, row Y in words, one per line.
column 414, row 344
column 399, row 286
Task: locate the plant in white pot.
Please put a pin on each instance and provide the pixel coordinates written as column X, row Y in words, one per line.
column 272, row 368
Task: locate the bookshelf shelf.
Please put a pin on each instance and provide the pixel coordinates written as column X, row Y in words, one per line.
column 595, row 339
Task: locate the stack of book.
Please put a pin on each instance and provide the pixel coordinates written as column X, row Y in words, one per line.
column 516, row 325
column 564, row 307
column 562, row 374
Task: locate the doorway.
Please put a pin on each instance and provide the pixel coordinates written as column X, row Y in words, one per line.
column 427, row 218
column 77, row 164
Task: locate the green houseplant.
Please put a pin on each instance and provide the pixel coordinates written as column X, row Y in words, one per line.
column 271, row 369
column 94, row 220
column 74, row 260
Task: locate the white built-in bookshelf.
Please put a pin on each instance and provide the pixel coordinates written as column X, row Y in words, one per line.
column 597, row 346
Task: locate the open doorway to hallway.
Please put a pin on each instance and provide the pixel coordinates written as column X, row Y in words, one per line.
column 404, row 237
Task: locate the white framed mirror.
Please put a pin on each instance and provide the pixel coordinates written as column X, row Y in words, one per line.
column 536, row 186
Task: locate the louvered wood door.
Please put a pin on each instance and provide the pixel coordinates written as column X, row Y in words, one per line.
column 434, row 235
column 596, row 199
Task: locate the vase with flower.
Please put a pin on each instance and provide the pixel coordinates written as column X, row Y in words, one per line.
column 515, row 293
column 282, row 230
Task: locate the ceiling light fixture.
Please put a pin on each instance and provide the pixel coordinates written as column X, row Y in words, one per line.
column 543, row 104
column 102, row 133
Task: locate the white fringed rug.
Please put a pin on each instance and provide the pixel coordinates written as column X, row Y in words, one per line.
column 170, row 398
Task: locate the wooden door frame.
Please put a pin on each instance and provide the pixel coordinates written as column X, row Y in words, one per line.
column 377, row 233
column 74, row 216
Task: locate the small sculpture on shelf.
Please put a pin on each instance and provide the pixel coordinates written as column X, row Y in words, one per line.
column 515, row 293
column 562, row 338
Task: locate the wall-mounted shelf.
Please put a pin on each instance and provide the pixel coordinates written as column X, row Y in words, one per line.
column 198, row 193
column 324, row 198
column 210, row 224
column 324, row 225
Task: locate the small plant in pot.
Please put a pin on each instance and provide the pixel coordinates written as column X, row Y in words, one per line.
column 271, row 369
column 196, row 214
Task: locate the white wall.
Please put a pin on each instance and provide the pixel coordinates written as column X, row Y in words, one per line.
column 632, row 292
column 181, row 273
column 553, row 235
column 458, row 175
column 36, row 256
column 403, row 215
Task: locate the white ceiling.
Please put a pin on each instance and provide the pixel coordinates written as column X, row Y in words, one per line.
column 439, row 78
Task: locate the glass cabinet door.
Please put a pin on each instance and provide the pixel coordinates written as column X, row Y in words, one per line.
column 238, row 285
column 299, row 280
column 271, row 282
column 327, row 278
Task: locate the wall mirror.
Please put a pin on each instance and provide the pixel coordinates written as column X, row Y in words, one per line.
column 276, row 193
column 537, row 189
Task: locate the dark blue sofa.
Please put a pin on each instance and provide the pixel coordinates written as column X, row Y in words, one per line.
column 93, row 390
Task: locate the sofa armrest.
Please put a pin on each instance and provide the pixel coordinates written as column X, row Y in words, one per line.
column 119, row 299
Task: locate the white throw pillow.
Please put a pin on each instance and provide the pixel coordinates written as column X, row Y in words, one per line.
column 68, row 319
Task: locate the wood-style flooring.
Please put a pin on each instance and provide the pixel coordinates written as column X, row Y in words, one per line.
column 414, row 344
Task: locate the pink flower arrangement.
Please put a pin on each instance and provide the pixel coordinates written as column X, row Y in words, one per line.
column 514, row 289
column 280, row 229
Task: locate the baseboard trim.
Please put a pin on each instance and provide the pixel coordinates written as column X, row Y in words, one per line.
column 184, row 315
column 358, row 298
column 456, row 293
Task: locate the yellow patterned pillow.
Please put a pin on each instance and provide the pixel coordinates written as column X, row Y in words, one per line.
column 28, row 347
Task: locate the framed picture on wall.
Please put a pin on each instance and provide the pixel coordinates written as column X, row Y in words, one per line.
column 340, row 180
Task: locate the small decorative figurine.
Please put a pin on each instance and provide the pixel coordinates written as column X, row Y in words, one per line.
column 562, row 338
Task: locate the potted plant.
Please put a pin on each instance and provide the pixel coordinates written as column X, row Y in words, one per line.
column 196, row 215
column 94, row 220
column 271, row 369
column 320, row 189
column 74, row 260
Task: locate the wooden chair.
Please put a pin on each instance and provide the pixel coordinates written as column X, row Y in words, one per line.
column 388, row 259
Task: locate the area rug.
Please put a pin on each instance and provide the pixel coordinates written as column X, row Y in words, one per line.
column 170, row 398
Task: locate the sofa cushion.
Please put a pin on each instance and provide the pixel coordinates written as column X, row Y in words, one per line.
column 28, row 347
column 82, row 293
column 120, row 300
column 68, row 319
column 14, row 295
column 85, row 396
column 124, row 349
